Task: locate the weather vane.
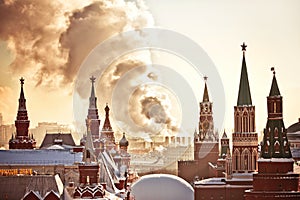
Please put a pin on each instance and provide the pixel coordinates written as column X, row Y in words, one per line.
column 273, row 70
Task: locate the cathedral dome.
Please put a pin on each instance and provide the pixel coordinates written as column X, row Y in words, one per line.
column 162, row 186
column 124, row 142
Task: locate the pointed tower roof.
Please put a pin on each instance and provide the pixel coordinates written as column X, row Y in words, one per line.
column 89, row 154
column 224, row 135
column 205, row 94
column 274, row 88
column 22, row 100
column 93, row 98
column 244, row 96
column 106, row 125
column 275, row 141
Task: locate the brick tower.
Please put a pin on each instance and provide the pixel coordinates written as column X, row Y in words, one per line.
column 206, row 143
column 245, row 141
column 22, row 140
column 275, row 178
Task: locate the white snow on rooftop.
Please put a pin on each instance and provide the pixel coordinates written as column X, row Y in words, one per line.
column 39, row 157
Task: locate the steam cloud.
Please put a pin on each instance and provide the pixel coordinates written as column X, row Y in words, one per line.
column 50, row 40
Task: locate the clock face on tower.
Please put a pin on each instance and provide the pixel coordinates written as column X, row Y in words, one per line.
column 205, row 125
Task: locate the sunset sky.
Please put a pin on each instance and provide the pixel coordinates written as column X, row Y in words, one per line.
column 46, row 42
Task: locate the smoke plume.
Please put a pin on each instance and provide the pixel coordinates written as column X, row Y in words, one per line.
column 50, row 39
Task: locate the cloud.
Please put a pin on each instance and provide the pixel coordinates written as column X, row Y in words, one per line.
column 50, row 39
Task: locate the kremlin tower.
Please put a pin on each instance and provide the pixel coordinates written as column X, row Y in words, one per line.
column 22, row 140
column 206, row 142
column 275, row 178
column 206, row 145
column 244, row 138
column 93, row 119
column 93, row 112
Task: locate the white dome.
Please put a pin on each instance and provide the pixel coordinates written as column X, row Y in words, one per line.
column 162, row 187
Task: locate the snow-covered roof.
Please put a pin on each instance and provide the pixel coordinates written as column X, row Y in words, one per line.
column 39, row 157
column 275, row 160
column 162, row 186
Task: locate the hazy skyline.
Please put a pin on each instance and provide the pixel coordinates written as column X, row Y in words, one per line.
column 269, row 28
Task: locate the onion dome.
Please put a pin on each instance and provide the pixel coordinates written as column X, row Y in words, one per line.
column 123, row 142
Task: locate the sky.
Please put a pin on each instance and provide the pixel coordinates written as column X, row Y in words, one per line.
column 47, row 43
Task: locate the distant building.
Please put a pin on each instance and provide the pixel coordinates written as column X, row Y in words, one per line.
column 6, row 131
column 275, row 178
column 293, row 134
column 22, row 139
column 206, row 145
column 61, row 139
column 244, row 138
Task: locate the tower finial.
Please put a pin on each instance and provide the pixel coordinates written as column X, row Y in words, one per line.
column 244, row 46
column 93, row 79
column 273, row 70
column 205, row 78
column 22, row 81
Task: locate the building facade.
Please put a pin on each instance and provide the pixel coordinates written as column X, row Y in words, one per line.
column 244, row 138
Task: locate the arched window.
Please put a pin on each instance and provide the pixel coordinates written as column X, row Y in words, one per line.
column 246, row 160
column 276, row 147
column 254, row 160
column 236, row 160
column 276, row 132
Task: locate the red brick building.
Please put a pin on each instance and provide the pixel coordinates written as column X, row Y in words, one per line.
column 275, row 178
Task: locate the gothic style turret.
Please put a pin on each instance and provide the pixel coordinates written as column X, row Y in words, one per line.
column 93, row 112
column 244, row 138
column 275, row 178
column 107, row 134
column 275, row 143
column 22, row 139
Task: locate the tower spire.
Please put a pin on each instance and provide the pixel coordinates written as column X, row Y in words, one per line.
column 93, row 98
column 274, row 88
column 106, row 125
column 244, row 96
column 205, row 94
column 89, row 154
column 22, row 100
column 275, row 142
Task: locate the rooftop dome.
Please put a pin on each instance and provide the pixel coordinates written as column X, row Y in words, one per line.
column 162, row 186
column 124, row 141
column 294, row 127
